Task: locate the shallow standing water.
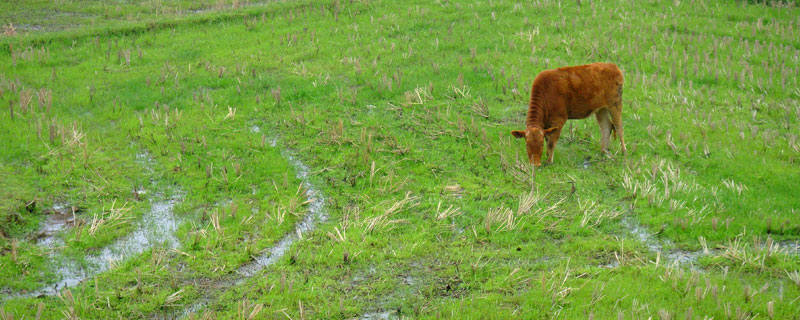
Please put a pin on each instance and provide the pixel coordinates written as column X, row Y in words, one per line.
column 156, row 227
column 652, row 243
column 316, row 213
column 60, row 219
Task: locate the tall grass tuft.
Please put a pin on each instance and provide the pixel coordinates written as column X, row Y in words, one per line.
column 385, row 219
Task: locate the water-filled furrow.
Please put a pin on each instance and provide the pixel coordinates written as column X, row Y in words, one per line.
column 316, row 213
column 61, row 217
column 156, row 227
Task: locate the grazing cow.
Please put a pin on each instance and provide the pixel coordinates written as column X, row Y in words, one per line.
column 572, row 93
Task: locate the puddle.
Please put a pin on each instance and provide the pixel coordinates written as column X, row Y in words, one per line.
column 684, row 257
column 146, row 161
column 790, row 246
column 29, row 27
column 156, row 227
column 586, row 163
column 361, row 277
column 240, row 6
column 408, row 285
column 385, row 315
column 643, row 235
column 680, row 257
column 408, row 280
column 316, row 213
column 61, row 217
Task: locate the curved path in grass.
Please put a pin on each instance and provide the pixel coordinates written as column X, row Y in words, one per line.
column 316, row 213
column 157, row 227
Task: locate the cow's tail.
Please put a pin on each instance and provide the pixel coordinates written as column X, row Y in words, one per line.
column 614, row 132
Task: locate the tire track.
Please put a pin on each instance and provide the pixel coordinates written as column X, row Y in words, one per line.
column 316, row 214
column 156, row 227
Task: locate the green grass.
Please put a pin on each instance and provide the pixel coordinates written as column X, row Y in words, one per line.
column 402, row 111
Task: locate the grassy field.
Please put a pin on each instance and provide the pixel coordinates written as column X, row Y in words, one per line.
column 352, row 159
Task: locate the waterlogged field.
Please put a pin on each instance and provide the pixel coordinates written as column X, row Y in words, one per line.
column 352, row 159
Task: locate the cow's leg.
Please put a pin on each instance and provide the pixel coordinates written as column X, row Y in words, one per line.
column 552, row 140
column 616, row 120
column 605, row 128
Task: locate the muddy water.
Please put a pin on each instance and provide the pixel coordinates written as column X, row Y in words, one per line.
column 156, row 228
column 316, row 213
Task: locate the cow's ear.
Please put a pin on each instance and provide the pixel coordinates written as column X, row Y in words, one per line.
column 518, row 134
column 551, row 130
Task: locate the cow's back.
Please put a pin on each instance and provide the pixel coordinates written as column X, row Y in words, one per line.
column 577, row 92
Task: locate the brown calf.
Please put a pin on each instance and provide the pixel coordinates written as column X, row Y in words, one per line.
column 572, row 93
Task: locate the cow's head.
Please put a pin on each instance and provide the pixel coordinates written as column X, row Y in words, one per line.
column 534, row 140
